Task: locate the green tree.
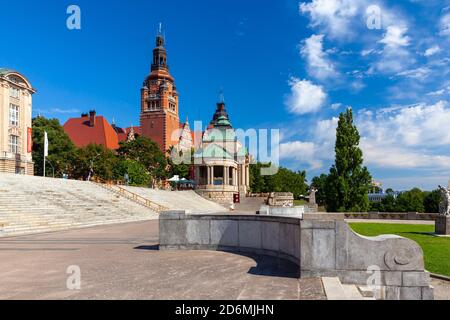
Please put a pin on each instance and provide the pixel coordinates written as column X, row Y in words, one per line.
column 431, row 202
column 284, row 180
column 289, row 181
column 349, row 181
column 61, row 150
column 320, row 184
column 137, row 173
column 411, row 201
column 94, row 161
column 257, row 182
column 148, row 153
column 182, row 165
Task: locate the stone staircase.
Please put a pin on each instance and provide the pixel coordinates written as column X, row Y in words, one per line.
column 178, row 200
column 335, row 290
column 34, row 204
column 250, row 204
column 121, row 191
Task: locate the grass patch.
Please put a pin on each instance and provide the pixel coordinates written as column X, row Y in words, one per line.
column 300, row 202
column 436, row 249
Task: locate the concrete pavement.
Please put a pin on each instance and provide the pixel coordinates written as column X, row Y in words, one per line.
column 123, row 262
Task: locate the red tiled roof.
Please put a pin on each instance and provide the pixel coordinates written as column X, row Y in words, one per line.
column 82, row 134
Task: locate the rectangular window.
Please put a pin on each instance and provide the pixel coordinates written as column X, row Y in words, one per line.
column 13, row 115
column 14, row 144
column 14, row 93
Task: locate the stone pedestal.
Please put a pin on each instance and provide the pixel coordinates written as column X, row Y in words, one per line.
column 443, row 225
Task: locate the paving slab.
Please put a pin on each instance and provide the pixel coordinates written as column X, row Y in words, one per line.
column 123, row 262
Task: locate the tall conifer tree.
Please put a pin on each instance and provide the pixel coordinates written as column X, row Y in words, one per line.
column 348, row 182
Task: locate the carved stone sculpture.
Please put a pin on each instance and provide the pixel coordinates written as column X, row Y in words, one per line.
column 312, row 196
column 444, row 205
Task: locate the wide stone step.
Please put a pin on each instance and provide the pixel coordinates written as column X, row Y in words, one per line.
column 35, row 204
column 335, row 290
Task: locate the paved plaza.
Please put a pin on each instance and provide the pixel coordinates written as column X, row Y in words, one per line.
column 123, row 262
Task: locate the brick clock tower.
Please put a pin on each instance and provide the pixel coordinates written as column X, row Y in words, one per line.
column 159, row 100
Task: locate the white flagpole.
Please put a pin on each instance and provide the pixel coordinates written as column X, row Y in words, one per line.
column 45, row 148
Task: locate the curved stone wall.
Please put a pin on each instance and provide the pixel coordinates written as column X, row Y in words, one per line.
column 274, row 236
column 319, row 247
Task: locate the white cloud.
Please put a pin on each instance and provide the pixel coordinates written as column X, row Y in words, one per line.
column 395, row 57
column 367, row 52
column 336, row 106
column 398, row 157
column 303, row 152
column 416, row 126
column 439, row 92
column 333, row 16
column 432, row 51
column 58, row 110
column 436, row 93
column 395, row 37
column 418, row 73
column 305, row 97
column 319, row 65
column 400, row 137
column 445, row 25
column 407, row 137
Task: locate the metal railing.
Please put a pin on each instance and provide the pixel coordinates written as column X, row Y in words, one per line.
column 133, row 196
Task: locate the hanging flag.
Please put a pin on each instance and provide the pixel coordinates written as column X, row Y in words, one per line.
column 29, row 140
column 45, row 144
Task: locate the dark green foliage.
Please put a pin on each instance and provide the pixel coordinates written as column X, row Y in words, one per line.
column 431, row 201
column 146, row 152
column 181, row 166
column 319, row 183
column 348, row 182
column 414, row 200
column 94, row 161
column 137, row 173
column 284, row 180
column 411, row 201
column 61, row 150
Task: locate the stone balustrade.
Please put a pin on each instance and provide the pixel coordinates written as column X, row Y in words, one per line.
column 321, row 248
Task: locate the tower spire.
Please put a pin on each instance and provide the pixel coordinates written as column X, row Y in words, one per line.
column 221, row 96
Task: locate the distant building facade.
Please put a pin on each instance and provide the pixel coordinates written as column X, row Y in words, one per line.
column 15, row 123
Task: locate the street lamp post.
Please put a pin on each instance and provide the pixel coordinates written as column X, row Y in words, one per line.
column 53, row 168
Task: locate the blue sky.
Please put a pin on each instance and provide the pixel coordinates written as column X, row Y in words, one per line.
column 292, row 65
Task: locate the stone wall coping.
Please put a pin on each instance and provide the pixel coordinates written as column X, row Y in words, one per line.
column 182, row 215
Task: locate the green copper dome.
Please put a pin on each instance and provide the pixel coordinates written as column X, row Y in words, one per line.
column 223, row 121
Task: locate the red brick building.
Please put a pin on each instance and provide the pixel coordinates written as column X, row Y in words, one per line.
column 159, row 101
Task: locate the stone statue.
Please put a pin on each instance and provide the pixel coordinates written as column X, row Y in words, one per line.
column 444, row 205
column 312, row 196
